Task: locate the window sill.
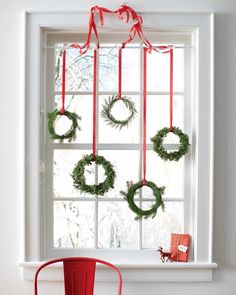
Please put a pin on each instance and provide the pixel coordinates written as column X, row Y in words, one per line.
column 132, row 272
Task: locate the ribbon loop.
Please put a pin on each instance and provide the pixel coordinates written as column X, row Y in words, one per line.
column 124, row 11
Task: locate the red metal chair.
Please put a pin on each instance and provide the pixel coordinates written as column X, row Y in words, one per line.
column 79, row 275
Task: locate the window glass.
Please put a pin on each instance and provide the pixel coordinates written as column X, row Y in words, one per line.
column 157, row 231
column 79, row 70
column 108, row 69
column 74, row 224
column 86, row 221
column 116, row 226
column 158, row 71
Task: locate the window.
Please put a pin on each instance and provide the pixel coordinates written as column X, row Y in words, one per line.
column 81, row 221
column 189, row 198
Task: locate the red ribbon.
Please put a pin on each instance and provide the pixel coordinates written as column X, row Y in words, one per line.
column 63, row 83
column 120, row 73
column 171, row 89
column 144, row 112
column 92, row 27
column 136, row 28
column 123, row 9
column 94, row 102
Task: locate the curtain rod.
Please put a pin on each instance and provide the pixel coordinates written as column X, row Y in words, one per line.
column 112, row 47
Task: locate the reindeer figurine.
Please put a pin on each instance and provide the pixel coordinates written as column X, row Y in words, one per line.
column 164, row 255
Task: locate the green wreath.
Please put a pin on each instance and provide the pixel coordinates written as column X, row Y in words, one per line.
column 80, row 181
column 71, row 133
column 162, row 152
column 157, row 192
column 110, row 119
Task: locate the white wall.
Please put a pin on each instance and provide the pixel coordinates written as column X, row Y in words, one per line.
column 11, row 28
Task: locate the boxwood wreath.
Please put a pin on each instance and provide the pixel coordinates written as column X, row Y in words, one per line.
column 157, row 193
column 110, row 119
column 162, row 152
column 71, row 133
column 79, row 177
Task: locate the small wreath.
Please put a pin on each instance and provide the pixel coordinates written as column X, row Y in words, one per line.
column 162, row 152
column 80, row 181
column 71, row 133
column 157, row 192
column 110, row 119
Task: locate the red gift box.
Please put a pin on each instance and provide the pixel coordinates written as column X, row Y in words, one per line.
column 179, row 247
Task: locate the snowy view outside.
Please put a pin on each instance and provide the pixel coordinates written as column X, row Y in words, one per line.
column 84, row 221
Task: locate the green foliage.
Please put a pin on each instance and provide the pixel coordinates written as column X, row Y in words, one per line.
column 80, row 181
column 71, row 133
column 110, row 119
column 157, row 193
column 163, row 153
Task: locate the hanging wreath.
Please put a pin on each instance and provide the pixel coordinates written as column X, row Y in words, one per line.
column 79, row 177
column 71, row 133
column 162, row 152
column 157, row 193
column 109, row 104
column 73, row 117
column 79, row 170
column 110, row 119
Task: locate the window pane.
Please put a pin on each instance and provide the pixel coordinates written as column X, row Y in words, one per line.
column 157, row 231
column 109, row 134
column 108, row 69
column 74, row 224
column 79, row 70
column 158, row 114
column 165, row 173
column 63, row 164
column 131, row 69
column 82, row 105
column 124, row 171
column 117, row 227
column 158, row 71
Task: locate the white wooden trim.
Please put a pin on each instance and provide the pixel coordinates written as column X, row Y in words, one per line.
column 212, row 132
column 132, row 272
column 22, row 145
column 201, row 23
column 143, row 12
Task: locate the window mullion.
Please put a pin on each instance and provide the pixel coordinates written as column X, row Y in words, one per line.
column 47, row 222
column 189, row 159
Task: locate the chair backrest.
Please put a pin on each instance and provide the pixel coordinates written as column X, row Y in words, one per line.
column 79, row 273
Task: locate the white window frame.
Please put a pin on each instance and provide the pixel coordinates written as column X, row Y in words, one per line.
column 48, row 146
column 202, row 26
